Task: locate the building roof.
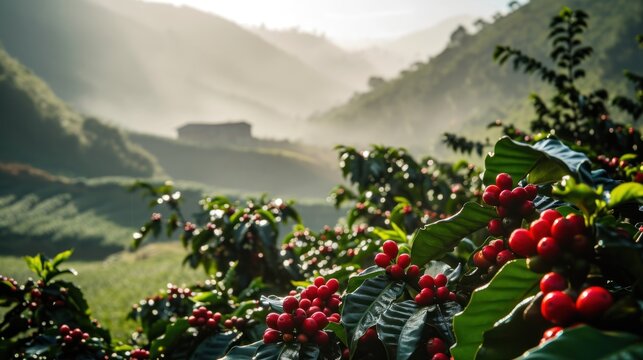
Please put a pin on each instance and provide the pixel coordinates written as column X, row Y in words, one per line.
column 215, row 125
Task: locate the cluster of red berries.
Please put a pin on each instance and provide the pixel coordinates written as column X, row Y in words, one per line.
column 493, row 256
column 560, row 308
column 71, row 337
column 437, row 349
column 174, row 291
column 396, row 266
column 235, row 322
column 551, row 235
column 511, row 203
column 433, row 290
column 202, row 317
column 304, row 319
column 139, row 354
column 38, row 299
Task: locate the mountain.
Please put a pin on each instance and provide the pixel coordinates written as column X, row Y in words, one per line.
column 348, row 68
column 151, row 67
column 41, row 130
column 462, row 89
column 391, row 56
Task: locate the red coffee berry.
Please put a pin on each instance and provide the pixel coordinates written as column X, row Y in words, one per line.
column 413, row 271
column 498, row 244
column 522, row 243
column 562, row 230
column 495, row 227
column 577, row 221
column 581, row 244
column 321, row 338
column 490, row 253
column 426, row 281
column 519, row 194
column 288, row 338
column 369, row 335
column 506, row 199
column 435, row 345
column 229, row 323
column 324, row 292
column 442, row 293
column 304, row 304
column 311, row 292
column 593, row 302
column 320, row 318
column 440, row 280
column 552, row 282
column 390, row 248
column 551, row 333
column 382, row 260
column 404, row 260
column 309, row 326
column 480, row 261
column 539, row 229
column 558, row 307
column 211, row 323
column 527, row 208
column 502, row 212
column 64, row 329
column 440, row 356
column 504, row 181
column 302, row 338
column 333, row 285
column 299, row 316
column 532, row 191
column 290, row 303
column 548, row 248
column 396, row 272
column 285, row 323
column 504, row 257
column 550, row 215
column 319, row 281
column 271, row 320
column 491, row 197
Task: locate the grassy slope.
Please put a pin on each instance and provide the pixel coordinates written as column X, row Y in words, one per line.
column 113, row 285
column 462, row 86
column 281, row 173
column 96, row 217
column 39, row 129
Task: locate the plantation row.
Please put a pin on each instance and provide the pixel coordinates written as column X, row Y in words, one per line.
column 537, row 255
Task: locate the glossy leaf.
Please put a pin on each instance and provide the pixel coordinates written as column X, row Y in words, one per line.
column 364, row 306
column 214, row 346
column 627, row 192
column 172, row 335
column 243, row 352
column 513, row 283
column 395, row 321
column 545, row 162
column 438, row 238
column 355, row 281
column 586, row 342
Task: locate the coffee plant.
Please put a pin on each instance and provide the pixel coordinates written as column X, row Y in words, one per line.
column 538, row 255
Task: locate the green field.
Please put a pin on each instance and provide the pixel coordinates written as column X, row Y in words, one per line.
column 113, row 285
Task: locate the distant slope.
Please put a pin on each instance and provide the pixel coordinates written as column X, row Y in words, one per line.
column 462, row 88
column 343, row 66
column 39, row 129
column 276, row 172
column 145, row 63
column 96, row 217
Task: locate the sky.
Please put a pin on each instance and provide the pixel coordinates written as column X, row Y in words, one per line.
column 346, row 21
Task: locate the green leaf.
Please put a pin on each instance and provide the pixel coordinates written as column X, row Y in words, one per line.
column 392, row 323
column 307, row 352
column 339, row 331
column 243, row 352
column 277, row 351
column 35, row 264
column 364, row 306
column 440, row 237
column 355, row 281
column 214, row 346
column 627, row 192
column 172, row 335
column 400, row 328
column 61, row 257
column 511, row 335
column 586, row 342
column 545, row 162
column 513, row 283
